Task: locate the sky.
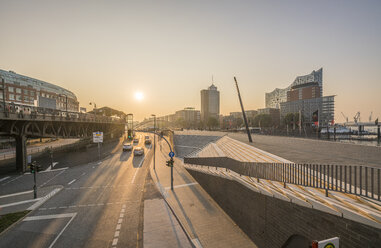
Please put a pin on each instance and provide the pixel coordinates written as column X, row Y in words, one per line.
column 107, row 51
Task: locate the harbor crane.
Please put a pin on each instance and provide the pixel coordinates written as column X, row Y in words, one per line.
column 356, row 118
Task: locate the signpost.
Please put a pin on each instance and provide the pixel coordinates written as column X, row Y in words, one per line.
column 98, row 138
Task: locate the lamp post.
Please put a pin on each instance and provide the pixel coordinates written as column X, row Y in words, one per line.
column 154, row 141
column 94, row 108
column 3, row 82
column 131, row 120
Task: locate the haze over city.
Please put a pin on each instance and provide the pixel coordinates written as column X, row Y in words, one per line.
column 107, row 51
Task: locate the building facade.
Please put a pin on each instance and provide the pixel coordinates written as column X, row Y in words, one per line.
column 189, row 116
column 19, row 89
column 324, row 106
column 278, row 96
column 210, row 103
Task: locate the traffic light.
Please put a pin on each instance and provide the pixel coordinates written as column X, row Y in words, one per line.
column 129, row 134
column 34, row 167
column 170, row 162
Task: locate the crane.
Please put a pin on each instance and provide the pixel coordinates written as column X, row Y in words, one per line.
column 370, row 117
column 356, row 118
column 346, row 118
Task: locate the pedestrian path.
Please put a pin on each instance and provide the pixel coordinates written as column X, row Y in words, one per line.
column 205, row 222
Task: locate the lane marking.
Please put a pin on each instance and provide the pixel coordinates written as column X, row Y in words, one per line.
column 114, row 242
column 182, row 185
column 51, row 179
column 19, row 193
column 116, row 234
column 12, row 180
column 47, row 217
column 55, row 240
column 136, row 171
column 19, row 203
column 44, row 199
column 4, row 178
column 72, row 181
column 118, row 226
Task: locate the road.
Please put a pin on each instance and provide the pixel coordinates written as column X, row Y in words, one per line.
column 99, row 205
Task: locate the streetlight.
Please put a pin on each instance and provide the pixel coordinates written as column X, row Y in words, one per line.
column 131, row 125
column 95, row 107
column 154, row 141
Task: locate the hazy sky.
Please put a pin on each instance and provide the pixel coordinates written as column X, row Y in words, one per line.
column 105, row 51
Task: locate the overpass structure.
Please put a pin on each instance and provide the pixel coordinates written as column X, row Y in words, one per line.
column 47, row 123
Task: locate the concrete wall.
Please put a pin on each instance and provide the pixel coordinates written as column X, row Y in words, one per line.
column 269, row 222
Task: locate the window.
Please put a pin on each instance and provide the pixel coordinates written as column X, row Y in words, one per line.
column 26, row 92
column 11, row 89
column 18, row 98
column 18, row 90
column 11, row 97
column 26, row 98
column 32, row 93
column 43, row 94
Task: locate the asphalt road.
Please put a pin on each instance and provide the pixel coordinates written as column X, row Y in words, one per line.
column 100, row 205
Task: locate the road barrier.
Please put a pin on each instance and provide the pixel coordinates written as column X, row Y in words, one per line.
column 357, row 180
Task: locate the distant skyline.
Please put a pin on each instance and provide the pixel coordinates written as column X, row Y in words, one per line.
column 154, row 57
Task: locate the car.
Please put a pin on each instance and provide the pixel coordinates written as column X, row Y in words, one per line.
column 146, row 137
column 147, row 141
column 127, row 147
column 138, row 151
column 136, row 140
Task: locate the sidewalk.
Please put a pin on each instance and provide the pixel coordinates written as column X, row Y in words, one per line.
column 205, row 222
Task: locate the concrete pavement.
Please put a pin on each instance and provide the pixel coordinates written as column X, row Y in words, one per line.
column 205, row 222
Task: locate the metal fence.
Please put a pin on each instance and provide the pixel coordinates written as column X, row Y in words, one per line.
column 357, row 180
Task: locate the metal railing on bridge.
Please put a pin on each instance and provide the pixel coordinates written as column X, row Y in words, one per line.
column 351, row 179
column 27, row 112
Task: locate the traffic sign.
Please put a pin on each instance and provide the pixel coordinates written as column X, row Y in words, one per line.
column 171, row 154
column 98, row 137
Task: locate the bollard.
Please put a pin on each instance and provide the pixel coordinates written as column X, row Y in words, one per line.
column 326, row 192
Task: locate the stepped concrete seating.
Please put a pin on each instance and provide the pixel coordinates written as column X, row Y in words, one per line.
column 356, row 208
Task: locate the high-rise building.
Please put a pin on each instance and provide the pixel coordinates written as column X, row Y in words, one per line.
column 210, row 103
column 278, row 96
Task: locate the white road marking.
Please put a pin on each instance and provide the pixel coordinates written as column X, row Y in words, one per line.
column 122, row 211
column 182, row 185
column 84, row 173
column 19, row 193
column 44, row 199
column 116, row 234
column 51, row 179
column 55, row 240
column 118, row 226
column 114, row 242
column 121, row 215
column 4, row 178
column 72, row 181
column 12, row 180
column 120, row 221
column 47, row 217
column 19, row 203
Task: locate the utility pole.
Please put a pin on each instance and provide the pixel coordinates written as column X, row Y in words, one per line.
column 243, row 112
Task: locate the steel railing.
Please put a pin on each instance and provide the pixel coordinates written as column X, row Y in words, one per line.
column 351, row 179
column 19, row 111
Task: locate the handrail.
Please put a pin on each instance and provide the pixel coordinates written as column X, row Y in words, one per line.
column 357, row 180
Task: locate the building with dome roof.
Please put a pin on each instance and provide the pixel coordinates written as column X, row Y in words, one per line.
column 20, row 89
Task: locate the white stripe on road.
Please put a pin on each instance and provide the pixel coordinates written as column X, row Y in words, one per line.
column 44, row 199
column 72, row 181
column 51, row 179
column 55, row 240
column 19, row 203
column 12, row 180
column 4, row 178
column 182, row 185
column 47, row 217
column 19, row 193
column 137, row 169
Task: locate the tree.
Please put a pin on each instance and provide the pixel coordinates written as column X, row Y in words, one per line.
column 212, row 122
column 263, row 120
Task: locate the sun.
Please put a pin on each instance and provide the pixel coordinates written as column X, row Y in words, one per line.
column 139, row 96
